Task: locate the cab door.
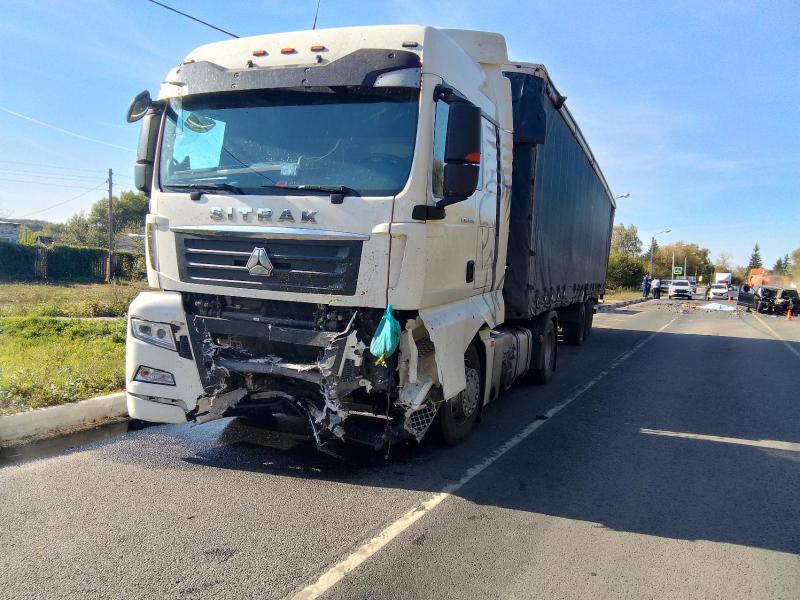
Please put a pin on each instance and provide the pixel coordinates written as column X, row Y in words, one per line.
column 487, row 200
column 452, row 259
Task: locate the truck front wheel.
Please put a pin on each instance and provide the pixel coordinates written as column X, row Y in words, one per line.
column 457, row 415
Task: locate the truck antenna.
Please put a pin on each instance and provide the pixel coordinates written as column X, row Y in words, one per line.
column 316, row 14
column 188, row 16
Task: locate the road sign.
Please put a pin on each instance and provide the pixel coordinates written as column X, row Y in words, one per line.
column 678, row 271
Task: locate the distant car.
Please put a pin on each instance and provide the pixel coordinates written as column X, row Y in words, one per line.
column 769, row 300
column 717, row 291
column 665, row 286
column 694, row 287
column 680, row 287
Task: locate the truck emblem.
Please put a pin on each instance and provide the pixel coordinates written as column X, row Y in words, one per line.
column 308, row 216
column 286, row 215
column 259, row 263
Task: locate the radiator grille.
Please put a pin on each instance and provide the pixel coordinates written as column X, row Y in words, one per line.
column 308, row 266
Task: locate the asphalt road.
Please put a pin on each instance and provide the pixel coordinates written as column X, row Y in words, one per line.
column 663, row 461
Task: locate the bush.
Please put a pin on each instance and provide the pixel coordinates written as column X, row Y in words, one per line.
column 75, row 263
column 624, row 272
column 17, row 262
column 129, row 266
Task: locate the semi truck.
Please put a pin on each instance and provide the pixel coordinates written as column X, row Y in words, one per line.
column 313, row 193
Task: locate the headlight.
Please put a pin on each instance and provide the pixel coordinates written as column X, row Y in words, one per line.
column 158, row 334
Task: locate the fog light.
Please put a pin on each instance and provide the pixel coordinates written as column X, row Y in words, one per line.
column 151, row 375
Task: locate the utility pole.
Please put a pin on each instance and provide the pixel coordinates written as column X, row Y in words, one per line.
column 110, row 264
column 672, row 276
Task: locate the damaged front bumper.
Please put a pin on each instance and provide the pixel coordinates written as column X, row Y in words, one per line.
column 315, row 364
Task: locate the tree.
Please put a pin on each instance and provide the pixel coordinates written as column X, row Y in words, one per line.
column 129, row 210
column 624, row 271
column 696, row 258
column 755, row 258
column 625, row 240
column 781, row 265
column 794, row 267
column 723, row 262
column 77, row 232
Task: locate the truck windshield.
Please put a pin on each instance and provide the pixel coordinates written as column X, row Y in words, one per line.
column 262, row 141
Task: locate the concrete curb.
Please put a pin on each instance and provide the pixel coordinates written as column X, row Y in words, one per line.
column 46, row 421
column 614, row 305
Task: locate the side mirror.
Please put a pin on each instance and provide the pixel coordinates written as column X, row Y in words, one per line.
column 462, row 153
column 463, row 134
column 146, row 152
column 460, row 182
column 138, row 107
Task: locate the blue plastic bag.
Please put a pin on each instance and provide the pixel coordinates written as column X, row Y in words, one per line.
column 386, row 338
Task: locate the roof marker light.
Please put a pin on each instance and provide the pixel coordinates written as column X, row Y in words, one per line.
column 288, row 50
column 259, row 52
column 410, row 44
column 318, row 48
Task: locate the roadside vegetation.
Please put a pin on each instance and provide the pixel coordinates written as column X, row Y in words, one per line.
column 622, row 294
column 47, row 355
column 46, row 361
column 67, row 299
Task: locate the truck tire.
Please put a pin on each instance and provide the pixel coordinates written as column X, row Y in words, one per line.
column 544, row 373
column 587, row 330
column 457, row 415
column 575, row 332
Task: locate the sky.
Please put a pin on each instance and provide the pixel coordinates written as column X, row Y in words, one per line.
column 692, row 107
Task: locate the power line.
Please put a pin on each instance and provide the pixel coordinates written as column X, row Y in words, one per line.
column 62, row 130
column 36, row 212
column 44, row 175
column 188, row 16
column 48, row 166
column 34, row 182
column 316, row 14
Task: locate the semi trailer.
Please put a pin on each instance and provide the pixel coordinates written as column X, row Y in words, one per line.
column 376, row 229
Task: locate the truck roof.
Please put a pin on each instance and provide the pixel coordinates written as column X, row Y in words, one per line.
column 470, row 59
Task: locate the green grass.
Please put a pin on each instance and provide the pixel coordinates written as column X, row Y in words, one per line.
column 67, row 300
column 46, row 361
column 621, row 295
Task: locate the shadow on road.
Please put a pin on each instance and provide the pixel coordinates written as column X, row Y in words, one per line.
column 594, row 462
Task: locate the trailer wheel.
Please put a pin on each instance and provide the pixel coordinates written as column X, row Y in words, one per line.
column 541, row 375
column 575, row 332
column 587, row 330
column 457, row 415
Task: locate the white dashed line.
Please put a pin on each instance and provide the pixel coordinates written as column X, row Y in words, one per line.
column 337, row 572
column 777, row 336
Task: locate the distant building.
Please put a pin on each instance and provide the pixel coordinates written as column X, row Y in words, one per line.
column 9, row 232
column 44, row 240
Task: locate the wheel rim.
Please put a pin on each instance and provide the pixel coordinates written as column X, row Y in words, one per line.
column 465, row 404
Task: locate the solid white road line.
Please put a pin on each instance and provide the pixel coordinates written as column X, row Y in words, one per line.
column 337, row 572
column 777, row 336
column 771, row 444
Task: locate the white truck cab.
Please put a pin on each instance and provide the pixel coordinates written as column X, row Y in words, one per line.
column 303, row 184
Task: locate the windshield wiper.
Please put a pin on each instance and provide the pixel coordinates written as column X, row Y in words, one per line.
column 337, row 192
column 211, row 185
